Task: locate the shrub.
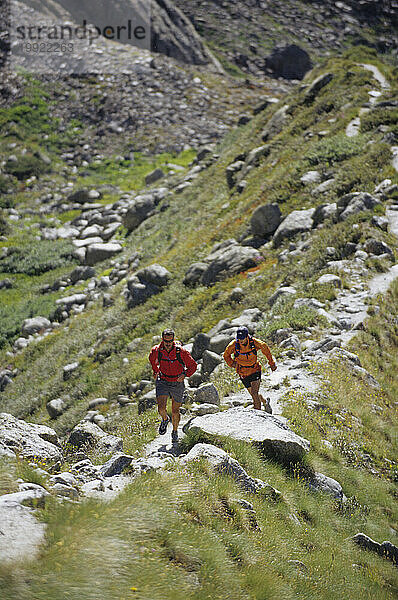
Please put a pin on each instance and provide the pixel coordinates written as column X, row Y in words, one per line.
column 334, row 149
column 26, row 166
column 3, row 224
column 38, row 257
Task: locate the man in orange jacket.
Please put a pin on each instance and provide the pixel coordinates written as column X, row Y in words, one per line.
column 171, row 363
column 241, row 354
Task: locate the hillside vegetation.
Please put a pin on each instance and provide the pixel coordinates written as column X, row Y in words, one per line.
column 183, row 532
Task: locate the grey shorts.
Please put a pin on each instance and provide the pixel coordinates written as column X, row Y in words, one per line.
column 175, row 389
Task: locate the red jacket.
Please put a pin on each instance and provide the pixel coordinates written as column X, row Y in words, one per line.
column 169, row 367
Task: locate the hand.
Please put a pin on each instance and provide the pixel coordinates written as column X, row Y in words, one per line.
column 273, row 367
column 181, row 378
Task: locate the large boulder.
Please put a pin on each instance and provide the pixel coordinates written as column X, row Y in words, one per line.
column 141, row 209
column 194, row 274
column 88, row 435
column 200, row 344
column 35, row 325
column 98, row 252
column 253, row 426
column 154, row 274
column 296, row 222
column 221, row 462
column 353, row 203
column 207, row 393
column 290, row 62
column 146, row 283
column 229, row 259
column 210, row 361
column 27, row 439
column 265, row 220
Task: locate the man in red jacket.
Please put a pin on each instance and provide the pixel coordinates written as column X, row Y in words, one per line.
column 171, row 363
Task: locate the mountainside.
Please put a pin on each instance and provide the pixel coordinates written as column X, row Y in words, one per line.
column 178, row 196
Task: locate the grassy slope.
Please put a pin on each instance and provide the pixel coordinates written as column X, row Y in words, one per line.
column 183, row 534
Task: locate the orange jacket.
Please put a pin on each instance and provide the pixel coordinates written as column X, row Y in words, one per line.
column 246, row 360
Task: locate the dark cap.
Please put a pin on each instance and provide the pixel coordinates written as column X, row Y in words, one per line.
column 242, row 333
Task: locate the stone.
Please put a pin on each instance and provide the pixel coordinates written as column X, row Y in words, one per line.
column 221, row 462
column 310, row 177
column 316, row 86
column 65, row 478
column 27, row 439
column 377, row 247
column 228, row 261
column 155, row 275
column 353, row 203
column 99, row 252
column 81, row 273
column 275, row 124
column 87, row 434
column 66, row 491
column 154, row 176
column 69, row 369
column 330, row 279
column 200, row 344
column 322, row 483
column 249, row 318
column 194, row 274
column 231, row 172
column 265, row 220
column 97, row 402
column 323, row 212
column 237, row 295
column 34, row 497
column 323, row 187
column 282, row 292
column 115, row 465
column 385, row 549
column 298, row 221
column 290, row 62
column 380, row 222
column 141, row 209
column 35, row 325
column 210, row 360
column 207, row 394
column 204, row 409
column 275, row 438
column 55, row 407
column 147, row 401
column 219, row 342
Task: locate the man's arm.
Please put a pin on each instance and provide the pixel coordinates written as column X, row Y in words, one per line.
column 190, row 364
column 153, row 359
column 266, row 351
column 228, row 354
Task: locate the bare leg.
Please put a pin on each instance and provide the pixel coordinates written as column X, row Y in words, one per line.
column 255, row 386
column 175, row 413
column 162, row 405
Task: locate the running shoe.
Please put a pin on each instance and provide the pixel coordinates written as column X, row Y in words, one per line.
column 163, row 426
column 174, row 436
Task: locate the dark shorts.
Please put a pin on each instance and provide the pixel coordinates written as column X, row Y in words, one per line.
column 247, row 381
column 175, row 389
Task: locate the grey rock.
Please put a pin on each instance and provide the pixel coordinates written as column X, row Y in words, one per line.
column 249, row 318
column 282, row 292
column 232, row 170
column 385, row 549
column 322, row 483
column 6, row 284
column 27, row 439
column 380, row 222
column 35, row 498
column 323, row 212
column 221, row 326
column 194, row 274
column 35, row 325
column 227, row 261
column 316, row 86
column 87, row 434
column 377, row 247
column 210, row 361
column 219, row 342
column 254, row 156
column 55, row 407
column 221, row 462
column 292, row 342
column 275, row 124
column 204, row 409
column 310, row 177
column 207, row 394
column 147, row 401
column 69, row 369
column 254, row 426
column 66, row 491
column 115, row 465
column 330, row 279
column 265, row 220
column 81, row 273
column 154, row 176
column 69, row 301
column 290, row 62
column 353, row 203
column 98, row 252
column 323, row 187
column 367, row 377
column 200, row 344
column 65, row 478
column 142, row 208
column 154, row 274
column 237, row 295
column 97, row 402
column 296, row 222
column 341, row 353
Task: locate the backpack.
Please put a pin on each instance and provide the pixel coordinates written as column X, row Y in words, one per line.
column 253, row 349
column 178, row 357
